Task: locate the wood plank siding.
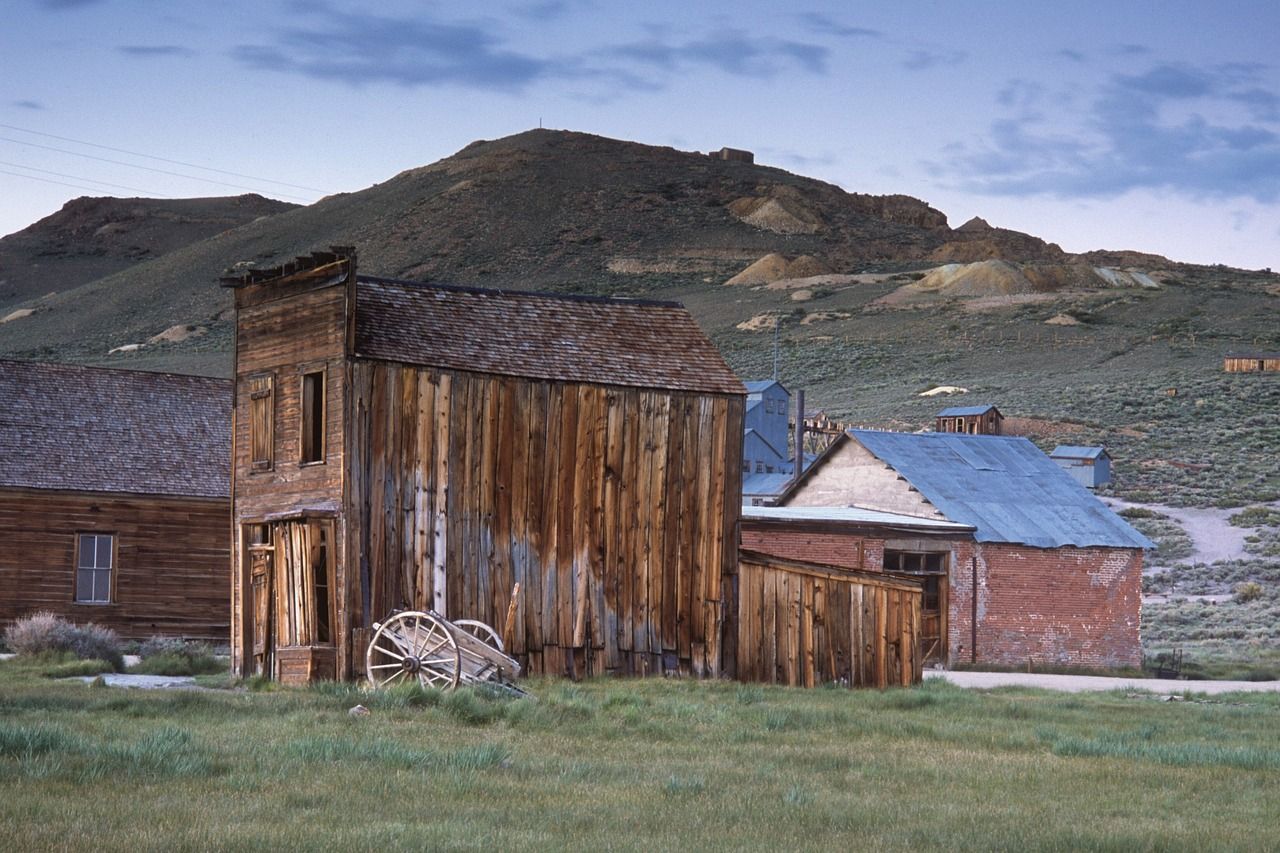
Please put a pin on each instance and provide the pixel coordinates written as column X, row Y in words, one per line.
column 802, row 624
column 1259, row 362
column 585, row 495
column 169, row 574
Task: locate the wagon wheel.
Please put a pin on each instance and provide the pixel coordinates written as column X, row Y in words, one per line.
column 413, row 645
column 481, row 632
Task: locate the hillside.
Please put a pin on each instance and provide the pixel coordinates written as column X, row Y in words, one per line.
column 91, row 238
column 877, row 299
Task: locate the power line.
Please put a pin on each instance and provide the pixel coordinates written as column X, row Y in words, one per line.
column 161, row 159
column 145, row 168
column 48, row 181
column 82, row 178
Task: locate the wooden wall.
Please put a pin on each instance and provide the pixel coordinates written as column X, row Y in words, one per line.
column 1249, row 364
column 284, row 338
column 170, row 576
column 802, row 624
column 615, row 509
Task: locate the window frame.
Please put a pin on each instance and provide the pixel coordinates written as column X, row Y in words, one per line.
column 111, row 570
column 305, row 416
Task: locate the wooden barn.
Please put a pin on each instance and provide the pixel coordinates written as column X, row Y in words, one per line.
column 970, row 420
column 114, row 499
column 404, row 445
column 1251, row 362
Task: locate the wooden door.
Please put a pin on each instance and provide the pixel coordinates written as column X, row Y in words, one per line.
column 933, row 620
column 261, row 574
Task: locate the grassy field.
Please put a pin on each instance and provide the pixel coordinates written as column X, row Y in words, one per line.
column 632, row 765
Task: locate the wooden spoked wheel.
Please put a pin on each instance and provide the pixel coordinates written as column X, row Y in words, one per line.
column 413, row 646
column 481, row 632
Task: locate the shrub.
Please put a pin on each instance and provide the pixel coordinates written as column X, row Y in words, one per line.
column 175, row 656
column 46, row 633
column 1248, row 591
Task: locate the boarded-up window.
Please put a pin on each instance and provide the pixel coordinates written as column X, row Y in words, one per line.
column 95, row 556
column 262, row 409
column 312, row 421
column 304, row 584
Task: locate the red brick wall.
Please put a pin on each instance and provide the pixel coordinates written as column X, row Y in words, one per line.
column 845, row 550
column 1077, row 606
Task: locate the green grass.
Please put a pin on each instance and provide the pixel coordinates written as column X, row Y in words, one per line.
column 632, row 765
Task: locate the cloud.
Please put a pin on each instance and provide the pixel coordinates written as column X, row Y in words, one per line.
column 922, row 60
column 1199, row 131
column 729, row 51
column 818, row 23
column 66, row 4
column 151, row 51
column 547, row 10
column 27, row 105
column 1073, row 55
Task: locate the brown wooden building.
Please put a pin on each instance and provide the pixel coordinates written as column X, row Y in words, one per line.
column 970, row 420
column 403, row 445
column 114, row 499
column 1251, row 362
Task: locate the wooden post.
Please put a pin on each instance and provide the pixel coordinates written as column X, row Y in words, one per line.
column 509, row 625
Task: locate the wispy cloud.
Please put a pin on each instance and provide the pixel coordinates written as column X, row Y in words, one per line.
column 1201, row 131
column 924, row 59
column 27, row 105
column 418, row 51
column 152, row 51
column 546, row 10
column 821, row 24
column 1073, row 55
column 66, row 4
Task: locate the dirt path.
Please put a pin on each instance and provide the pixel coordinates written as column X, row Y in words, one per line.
column 1082, row 683
column 1212, row 536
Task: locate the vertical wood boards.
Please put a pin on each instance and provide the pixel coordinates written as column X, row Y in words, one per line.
column 802, row 624
column 608, row 505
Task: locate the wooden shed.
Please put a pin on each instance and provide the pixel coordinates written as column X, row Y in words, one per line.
column 804, row 624
column 405, row 445
column 970, row 420
column 1251, row 362
column 114, row 499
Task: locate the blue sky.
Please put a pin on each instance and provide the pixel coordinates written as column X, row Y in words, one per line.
column 1140, row 125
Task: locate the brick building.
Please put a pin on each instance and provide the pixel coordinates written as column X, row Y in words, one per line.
column 1057, row 575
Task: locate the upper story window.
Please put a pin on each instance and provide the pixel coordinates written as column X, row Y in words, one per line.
column 95, row 557
column 262, row 417
column 311, row 422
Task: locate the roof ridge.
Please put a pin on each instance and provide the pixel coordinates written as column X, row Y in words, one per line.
column 110, row 369
column 542, row 294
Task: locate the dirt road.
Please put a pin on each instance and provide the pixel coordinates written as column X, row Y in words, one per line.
column 1084, row 683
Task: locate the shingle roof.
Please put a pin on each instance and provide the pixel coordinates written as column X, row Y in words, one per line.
column 1075, row 451
column 1002, row 485
column 95, row 430
column 964, row 411
column 625, row 342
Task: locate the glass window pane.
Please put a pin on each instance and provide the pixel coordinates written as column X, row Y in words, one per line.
column 104, row 552
column 101, row 585
column 84, row 585
column 86, row 551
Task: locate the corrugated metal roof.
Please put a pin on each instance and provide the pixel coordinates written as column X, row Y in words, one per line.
column 964, row 411
column 764, row 485
column 1075, row 451
column 95, row 430
column 634, row 343
column 1002, row 485
column 853, row 515
column 755, row 386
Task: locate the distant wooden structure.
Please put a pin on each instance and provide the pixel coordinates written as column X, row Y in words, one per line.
column 736, row 155
column 971, row 420
column 114, row 499
column 1089, row 466
column 804, row 625
column 1251, row 362
column 401, row 445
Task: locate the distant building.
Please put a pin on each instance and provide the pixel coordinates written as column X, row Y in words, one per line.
column 971, row 420
column 1251, row 362
column 765, row 425
column 1049, row 574
column 736, row 155
column 1090, row 466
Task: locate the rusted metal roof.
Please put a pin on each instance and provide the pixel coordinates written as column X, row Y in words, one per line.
column 628, row 342
column 91, row 429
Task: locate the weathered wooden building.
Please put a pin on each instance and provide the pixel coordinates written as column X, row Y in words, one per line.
column 970, row 420
column 114, row 499
column 1251, row 362
column 1049, row 573
column 1090, row 466
column 402, row 445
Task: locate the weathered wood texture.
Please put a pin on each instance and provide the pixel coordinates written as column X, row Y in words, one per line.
column 278, row 341
column 170, row 576
column 803, row 624
column 615, row 509
column 1263, row 362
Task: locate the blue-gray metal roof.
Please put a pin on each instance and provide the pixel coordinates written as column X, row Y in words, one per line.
column 1076, row 451
column 1002, row 485
column 964, row 411
column 853, row 515
column 764, row 485
column 755, row 386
